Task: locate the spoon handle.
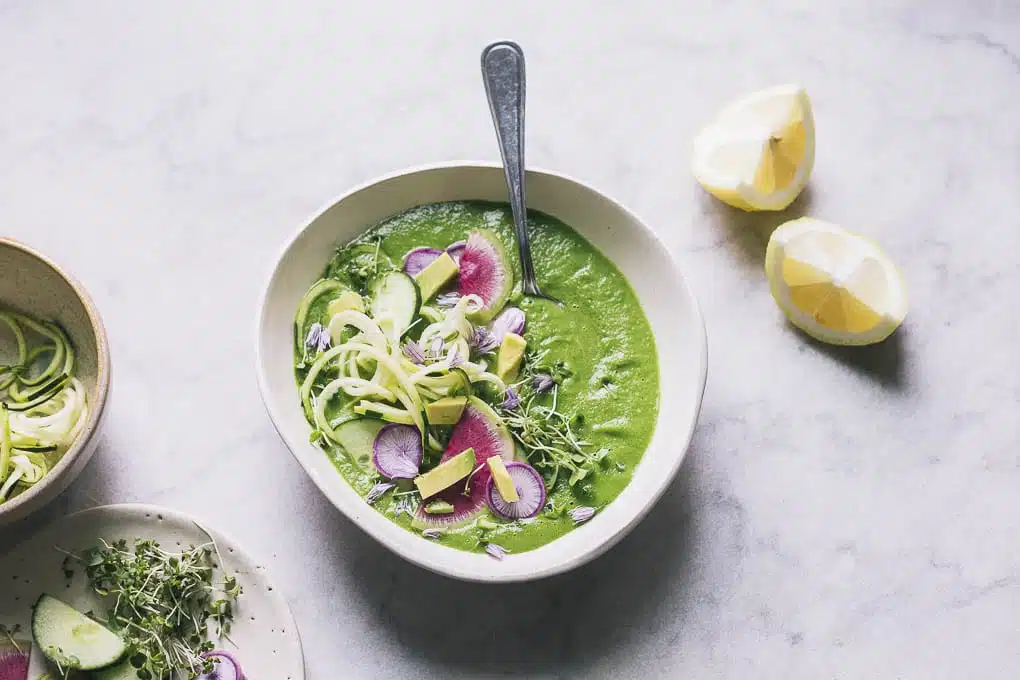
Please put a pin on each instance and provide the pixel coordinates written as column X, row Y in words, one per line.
column 503, row 74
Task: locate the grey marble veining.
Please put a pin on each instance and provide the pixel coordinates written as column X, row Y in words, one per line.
column 841, row 514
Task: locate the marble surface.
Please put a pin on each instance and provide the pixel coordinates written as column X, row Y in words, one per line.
column 841, row 514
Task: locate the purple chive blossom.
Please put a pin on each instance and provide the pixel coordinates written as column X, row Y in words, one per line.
column 378, row 491
column 510, row 320
column 542, row 382
column 455, row 359
column 318, row 338
column 448, row 300
column 511, row 399
column 483, row 340
column 413, row 351
column 497, row 552
column 432, row 533
column 581, row 515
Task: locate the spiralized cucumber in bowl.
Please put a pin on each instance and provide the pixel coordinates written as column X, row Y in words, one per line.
column 43, row 406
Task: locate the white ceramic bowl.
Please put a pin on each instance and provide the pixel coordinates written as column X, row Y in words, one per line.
column 32, row 283
column 670, row 306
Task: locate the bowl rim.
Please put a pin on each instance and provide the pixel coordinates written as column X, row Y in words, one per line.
column 404, row 551
column 102, row 382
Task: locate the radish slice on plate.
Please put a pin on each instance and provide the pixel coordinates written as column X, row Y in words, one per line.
column 456, row 250
column 14, row 659
column 227, row 667
column 418, row 258
column 397, row 451
column 530, row 488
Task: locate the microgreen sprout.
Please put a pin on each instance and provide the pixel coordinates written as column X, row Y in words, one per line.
column 164, row 604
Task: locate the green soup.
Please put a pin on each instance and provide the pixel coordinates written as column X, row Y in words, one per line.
column 599, row 341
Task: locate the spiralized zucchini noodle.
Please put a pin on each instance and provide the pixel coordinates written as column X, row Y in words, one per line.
column 43, row 407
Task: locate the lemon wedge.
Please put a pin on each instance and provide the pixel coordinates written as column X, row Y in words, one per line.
column 836, row 286
column 757, row 154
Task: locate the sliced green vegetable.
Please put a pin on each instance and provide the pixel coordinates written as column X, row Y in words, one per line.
column 70, row 639
column 356, row 437
column 319, row 289
column 397, row 297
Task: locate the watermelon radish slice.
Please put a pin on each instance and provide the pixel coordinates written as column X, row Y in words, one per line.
column 485, row 271
column 14, row 661
column 530, row 488
column 481, row 429
column 418, row 258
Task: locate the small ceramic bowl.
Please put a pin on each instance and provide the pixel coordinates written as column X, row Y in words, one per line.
column 671, row 308
column 31, row 283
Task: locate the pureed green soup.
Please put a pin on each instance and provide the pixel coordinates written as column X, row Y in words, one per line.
column 577, row 414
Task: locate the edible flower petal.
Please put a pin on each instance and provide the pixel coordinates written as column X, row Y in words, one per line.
column 483, row 340
column 510, row 320
column 436, row 348
column 378, row 491
column 318, row 338
column 581, row 515
column 455, row 358
column 542, row 382
column 495, row 551
column 413, row 351
column 511, row 399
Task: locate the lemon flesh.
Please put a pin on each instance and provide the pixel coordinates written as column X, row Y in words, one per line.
column 758, row 153
column 834, row 285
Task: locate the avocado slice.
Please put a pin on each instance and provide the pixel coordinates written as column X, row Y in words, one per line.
column 436, row 275
column 511, row 352
column 501, row 478
column 445, row 411
column 445, row 475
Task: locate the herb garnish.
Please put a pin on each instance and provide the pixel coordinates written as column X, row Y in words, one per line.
column 544, row 431
column 164, row 603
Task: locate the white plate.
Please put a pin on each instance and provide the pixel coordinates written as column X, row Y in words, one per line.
column 266, row 637
column 667, row 301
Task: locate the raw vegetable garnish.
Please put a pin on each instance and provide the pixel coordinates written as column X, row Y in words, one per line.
column 544, row 432
column 43, row 406
column 164, row 604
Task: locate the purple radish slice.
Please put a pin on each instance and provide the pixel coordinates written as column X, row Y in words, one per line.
column 480, row 428
column 226, row 668
column 14, row 661
column 456, row 250
column 530, row 488
column 485, row 272
column 510, row 320
column 397, row 451
column 418, row 258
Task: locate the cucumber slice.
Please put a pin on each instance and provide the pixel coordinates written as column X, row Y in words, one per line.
column 70, row 639
column 317, row 290
column 462, row 386
column 397, row 295
column 357, row 437
column 122, row 671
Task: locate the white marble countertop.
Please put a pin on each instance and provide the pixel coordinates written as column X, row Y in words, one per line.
column 841, row 514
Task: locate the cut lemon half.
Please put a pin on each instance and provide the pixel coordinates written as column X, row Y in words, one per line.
column 834, row 285
column 757, row 154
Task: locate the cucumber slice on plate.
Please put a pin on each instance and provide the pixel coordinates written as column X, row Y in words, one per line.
column 357, row 436
column 397, row 296
column 70, row 639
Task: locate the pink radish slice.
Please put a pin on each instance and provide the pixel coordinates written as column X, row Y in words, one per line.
column 226, row 668
column 418, row 258
column 456, row 250
column 510, row 320
column 397, row 451
column 14, row 661
column 530, row 488
column 481, row 429
column 485, row 272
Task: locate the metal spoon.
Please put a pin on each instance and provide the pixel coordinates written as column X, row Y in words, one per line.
column 503, row 75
